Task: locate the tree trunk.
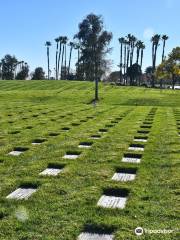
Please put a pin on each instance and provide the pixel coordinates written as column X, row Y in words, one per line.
column 65, row 73
column 132, row 54
column 62, row 62
column 56, row 61
column 173, row 81
column 121, row 64
column 96, row 89
column 141, row 58
column 152, row 54
column 77, row 70
column 125, row 64
column 70, row 55
column 59, row 57
column 48, row 60
column 137, row 59
column 164, row 43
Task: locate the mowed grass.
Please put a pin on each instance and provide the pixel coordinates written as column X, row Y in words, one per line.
column 66, row 205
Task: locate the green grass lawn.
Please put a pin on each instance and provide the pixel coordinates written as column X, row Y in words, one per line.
column 66, row 205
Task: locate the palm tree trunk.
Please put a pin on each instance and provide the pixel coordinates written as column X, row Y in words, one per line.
column 70, row 55
column 127, row 65
column 56, row 61
column 48, row 60
column 62, row 62
column 59, row 57
column 155, row 54
column 125, row 52
column 121, row 63
column 152, row 54
column 141, row 58
column 131, row 55
column 164, row 43
column 137, row 59
column 65, row 61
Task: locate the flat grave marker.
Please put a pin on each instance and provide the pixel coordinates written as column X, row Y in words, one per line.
column 71, row 155
column 38, row 141
column 85, row 145
column 21, row 193
column 113, row 198
column 140, row 139
column 51, row 171
column 95, row 136
column 123, row 177
column 131, row 158
column 66, row 129
column 136, row 147
column 17, row 151
column 103, row 130
column 95, row 236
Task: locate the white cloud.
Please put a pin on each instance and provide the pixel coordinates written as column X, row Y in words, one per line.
column 148, row 33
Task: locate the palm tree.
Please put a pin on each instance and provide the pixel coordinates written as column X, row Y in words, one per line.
column 59, row 55
column 155, row 43
column 77, row 47
column 121, row 41
column 64, row 42
column 128, row 50
column 164, row 39
column 57, row 46
column 125, row 56
column 48, row 44
column 72, row 45
column 132, row 44
column 138, row 48
column 142, row 52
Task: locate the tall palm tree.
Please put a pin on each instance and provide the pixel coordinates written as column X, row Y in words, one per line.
column 128, row 50
column 48, row 44
column 125, row 57
column 59, row 55
column 121, row 41
column 164, row 39
column 138, row 48
column 77, row 47
column 155, row 43
column 72, row 45
column 63, row 65
column 128, row 54
column 132, row 44
column 142, row 53
column 57, row 46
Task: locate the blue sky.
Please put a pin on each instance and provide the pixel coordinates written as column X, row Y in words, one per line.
column 26, row 25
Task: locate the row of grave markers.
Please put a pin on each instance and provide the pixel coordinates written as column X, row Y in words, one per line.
column 52, row 134
column 19, row 150
column 108, row 200
column 25, row 193
column 44, row 113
